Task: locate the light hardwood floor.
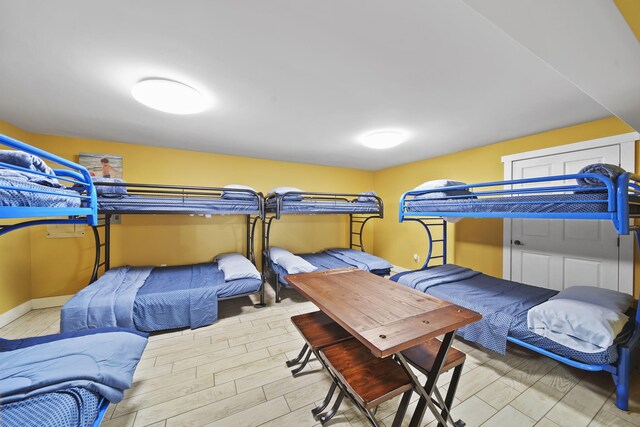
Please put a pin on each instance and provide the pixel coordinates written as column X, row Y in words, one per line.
column 233, row 374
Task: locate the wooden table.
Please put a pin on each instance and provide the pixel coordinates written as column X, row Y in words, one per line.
column 386, row 317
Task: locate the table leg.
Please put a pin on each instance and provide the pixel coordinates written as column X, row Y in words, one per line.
column 425, row 392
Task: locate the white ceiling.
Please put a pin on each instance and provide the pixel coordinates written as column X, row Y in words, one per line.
column 292, row 80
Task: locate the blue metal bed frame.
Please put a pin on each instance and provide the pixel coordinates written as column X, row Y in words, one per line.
column 357, row 221
column 77, row 175
column 617, row 199
column 87, row 213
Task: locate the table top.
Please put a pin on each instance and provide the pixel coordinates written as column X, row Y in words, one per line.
column 385, row 316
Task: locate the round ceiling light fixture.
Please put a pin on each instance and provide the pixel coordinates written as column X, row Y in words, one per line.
column 169, row 96
column 384, row 139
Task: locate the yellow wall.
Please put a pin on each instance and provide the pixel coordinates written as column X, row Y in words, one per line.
column 15, row 254
column 630, row 9
column 478, row 242
column 63, row 266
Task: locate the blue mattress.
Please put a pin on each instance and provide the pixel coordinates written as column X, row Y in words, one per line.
column 479, row 287
column 327, row 207
column 167, row 298
column 323, row 261
column 54, row 198
column 132, row 204
column 592, row 202
column 73, row 407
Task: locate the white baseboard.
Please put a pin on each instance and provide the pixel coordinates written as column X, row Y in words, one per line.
column 34, row 304
column 38, row 303
column 11, row 315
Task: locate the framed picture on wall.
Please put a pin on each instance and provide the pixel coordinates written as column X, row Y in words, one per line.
column 102, row 165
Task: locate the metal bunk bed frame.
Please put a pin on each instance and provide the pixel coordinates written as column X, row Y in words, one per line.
column 186, row 193
column 617, row 199
column 87, row 213
column 76, row 175
column 357, row 222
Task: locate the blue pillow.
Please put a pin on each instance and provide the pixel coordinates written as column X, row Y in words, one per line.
column 108, row 190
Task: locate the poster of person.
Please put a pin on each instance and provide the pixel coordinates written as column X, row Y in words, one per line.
column 102, row 165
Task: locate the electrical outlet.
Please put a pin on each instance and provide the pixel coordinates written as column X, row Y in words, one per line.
column 416, row 258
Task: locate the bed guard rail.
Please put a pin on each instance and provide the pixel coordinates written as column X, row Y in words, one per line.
column 75, row 176
column 275, row 203
column 487, row 195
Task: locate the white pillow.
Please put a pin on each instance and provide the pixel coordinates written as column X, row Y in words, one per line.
column 584, row 327
column 282, row 190
column 235, row 266
column 237, row 194
column 438, row 183
column 295, row 264
column 613, row 300
column 275, row 253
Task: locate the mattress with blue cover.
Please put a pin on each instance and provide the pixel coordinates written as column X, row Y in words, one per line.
column 73, row 407
column 323, row 206
column 133, row 204
column 588, row 202
column 170, row 295
column 70, row 407
column 482, row 287
column 323, row 261
column 53, row 198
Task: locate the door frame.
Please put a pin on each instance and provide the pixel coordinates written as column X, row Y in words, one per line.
column 627, row 143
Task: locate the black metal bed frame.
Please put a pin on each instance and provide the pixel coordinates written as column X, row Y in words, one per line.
column 187, row 193
column 357, row 222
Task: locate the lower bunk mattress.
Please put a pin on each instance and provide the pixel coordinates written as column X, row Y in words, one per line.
column 154, row 298
column 343, row 258
column 73, row 407
column 68, row 376
column 504, row 305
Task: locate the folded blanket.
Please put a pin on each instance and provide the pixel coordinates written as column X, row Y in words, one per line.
column 366, row 197
column 103, row 363
column 107, row 302
column 444, row 193
column 31, row 162
column 110, row 190
column 609, row 171
column 362, row 260
column 424, row 279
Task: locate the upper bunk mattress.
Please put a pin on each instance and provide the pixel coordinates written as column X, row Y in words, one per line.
column 319, row 206
column 134, row 204
column 51, row 198
column 552, row 203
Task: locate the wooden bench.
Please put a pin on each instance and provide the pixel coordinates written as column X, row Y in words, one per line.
column 367, row 380
column 423, row 357
column 318, row 331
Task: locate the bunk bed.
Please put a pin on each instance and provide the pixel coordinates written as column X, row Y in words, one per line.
column 361, row 208
column 162, row 298
column 506, row 304
column 65, row 386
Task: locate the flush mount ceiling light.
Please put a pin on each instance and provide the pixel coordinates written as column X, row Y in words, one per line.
column 169, row 96
column 383, row 139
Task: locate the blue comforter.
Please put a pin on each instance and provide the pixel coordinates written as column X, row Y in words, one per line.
column 151, row 299
column 13, row 194
column 100, row 362
column 499, row 301
column 106, row 302
column 362, row 260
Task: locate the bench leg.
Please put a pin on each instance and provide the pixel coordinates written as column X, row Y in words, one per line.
column 371, row 417
column 277, row 288
column 317, row 411
column 297, row 360
column 324, row 418
column 402, row 409
column 296, row 371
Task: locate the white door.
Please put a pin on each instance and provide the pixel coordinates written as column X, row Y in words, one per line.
column 557, row 254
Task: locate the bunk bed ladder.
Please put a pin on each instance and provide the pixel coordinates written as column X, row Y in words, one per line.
column 252, row 224
column 356, row 227
column 431, row 224
column 105, row 223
